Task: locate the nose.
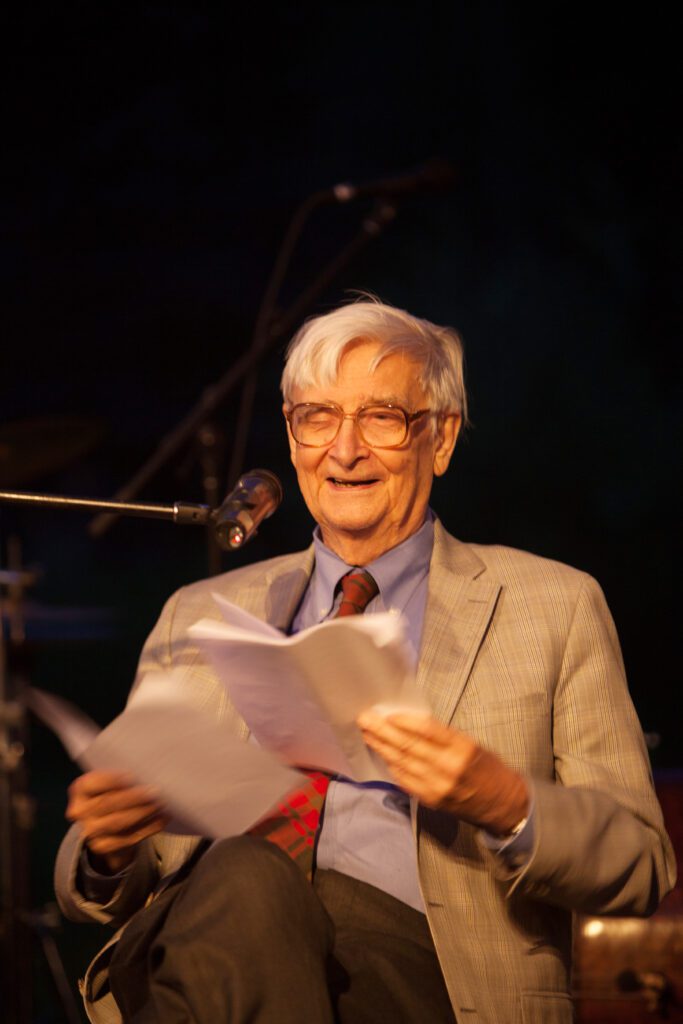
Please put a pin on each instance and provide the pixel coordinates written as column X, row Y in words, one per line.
column 348, row 446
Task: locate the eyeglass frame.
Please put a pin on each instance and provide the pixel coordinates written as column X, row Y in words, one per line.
column 409, row 418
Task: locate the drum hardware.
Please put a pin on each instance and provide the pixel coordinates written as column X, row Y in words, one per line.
column 18, row 921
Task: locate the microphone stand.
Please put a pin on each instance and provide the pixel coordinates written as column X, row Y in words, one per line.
column 182, row 513
column 255, row 497
column 268, row 331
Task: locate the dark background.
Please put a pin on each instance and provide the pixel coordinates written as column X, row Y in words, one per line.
column 154, row 154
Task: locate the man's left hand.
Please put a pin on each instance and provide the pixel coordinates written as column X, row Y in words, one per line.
column 447, row 770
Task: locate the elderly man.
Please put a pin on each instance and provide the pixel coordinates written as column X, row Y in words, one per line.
column 525, row 796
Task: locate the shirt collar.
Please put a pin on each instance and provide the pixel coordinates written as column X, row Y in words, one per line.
column 397, row 572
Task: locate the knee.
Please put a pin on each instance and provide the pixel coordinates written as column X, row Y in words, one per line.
column 245, row 896
column 251, row 871
column 248, row 892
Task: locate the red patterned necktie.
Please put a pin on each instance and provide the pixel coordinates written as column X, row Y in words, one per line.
column 294, row 824
column 358, row 590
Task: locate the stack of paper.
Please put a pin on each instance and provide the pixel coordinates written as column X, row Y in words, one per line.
column 299, row 695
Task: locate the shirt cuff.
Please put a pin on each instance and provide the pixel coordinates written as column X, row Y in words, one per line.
column 514, row 850
column 96, row 887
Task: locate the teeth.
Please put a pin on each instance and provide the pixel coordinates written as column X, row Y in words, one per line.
column 349, row 483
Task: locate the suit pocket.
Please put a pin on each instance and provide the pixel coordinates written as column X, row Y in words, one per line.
column 518, row 730
column 547, row 1008
column 521, row 708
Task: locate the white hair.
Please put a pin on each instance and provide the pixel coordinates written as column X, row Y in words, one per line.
column 314, row 353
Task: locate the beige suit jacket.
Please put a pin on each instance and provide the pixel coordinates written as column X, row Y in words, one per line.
column 521, row 653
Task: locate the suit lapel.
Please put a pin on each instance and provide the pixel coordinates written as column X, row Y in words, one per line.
column 458, row 612
column 286, row 588
column 275, row 595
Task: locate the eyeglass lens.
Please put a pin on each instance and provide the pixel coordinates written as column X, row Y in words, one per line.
column 319, row 424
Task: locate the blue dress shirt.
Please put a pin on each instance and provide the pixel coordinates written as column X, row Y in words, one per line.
column 366, row 830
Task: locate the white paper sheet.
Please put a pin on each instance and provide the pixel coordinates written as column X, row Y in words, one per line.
column 71, row 725
column 300, row 695
column 212, row 783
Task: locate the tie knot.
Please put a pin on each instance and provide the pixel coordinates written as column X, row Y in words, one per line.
column 358, row 589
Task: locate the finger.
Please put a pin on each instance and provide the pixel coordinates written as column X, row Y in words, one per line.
column 102, row 804
column 407, row 726
column 404, row 754
column 96, row 782
column 112, row 843
column 432, row 777
column 432, row 788
column 410, row 745
column 426, row 788
column 423, row 726
column 121, row 823
column 389, row 749
column 383, row 730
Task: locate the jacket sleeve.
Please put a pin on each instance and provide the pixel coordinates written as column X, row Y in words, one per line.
column 145, row 871
column 130, row 894
column 600, row 845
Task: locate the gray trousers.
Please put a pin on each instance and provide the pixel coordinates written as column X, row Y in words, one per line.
column 244, row 937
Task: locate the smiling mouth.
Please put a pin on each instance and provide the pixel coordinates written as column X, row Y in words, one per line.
column 350, row 484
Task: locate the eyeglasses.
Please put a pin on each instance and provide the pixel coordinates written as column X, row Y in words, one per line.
column 379, row 426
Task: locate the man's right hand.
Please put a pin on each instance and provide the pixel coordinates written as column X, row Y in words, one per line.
column 114, row 815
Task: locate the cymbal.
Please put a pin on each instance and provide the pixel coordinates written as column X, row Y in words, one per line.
column 31, row 448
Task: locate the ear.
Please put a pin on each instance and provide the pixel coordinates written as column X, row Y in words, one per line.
column 447, row 430
column 290, row 439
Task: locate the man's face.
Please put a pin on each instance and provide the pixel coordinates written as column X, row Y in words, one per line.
column 367, row 500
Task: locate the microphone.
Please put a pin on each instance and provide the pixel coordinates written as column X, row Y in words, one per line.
column 434, row 175
column 255, row 496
